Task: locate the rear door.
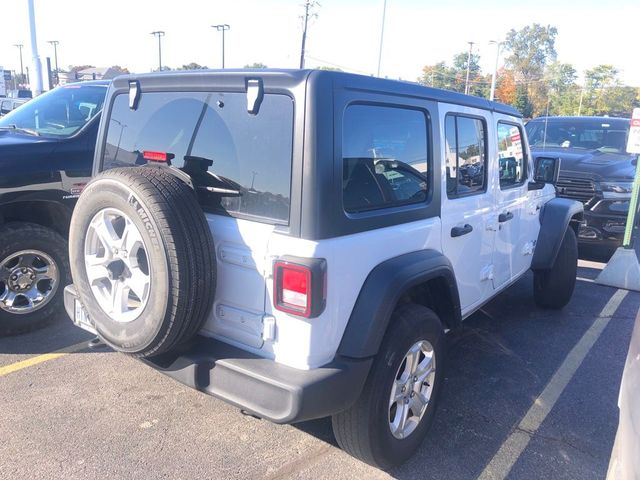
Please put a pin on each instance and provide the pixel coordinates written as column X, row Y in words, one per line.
column 467, row 230
column 240, row 165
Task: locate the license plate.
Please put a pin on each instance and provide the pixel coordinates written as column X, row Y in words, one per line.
column 81, row 318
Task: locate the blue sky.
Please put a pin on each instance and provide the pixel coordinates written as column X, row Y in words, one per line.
column 346, row 33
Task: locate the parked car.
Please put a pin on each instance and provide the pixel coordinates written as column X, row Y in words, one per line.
column 46, row 154
column 9, row 104
column 289, row 241
column 20, row 93
column 595, row 170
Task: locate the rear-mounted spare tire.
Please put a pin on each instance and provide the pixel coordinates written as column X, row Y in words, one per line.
column 142, row 259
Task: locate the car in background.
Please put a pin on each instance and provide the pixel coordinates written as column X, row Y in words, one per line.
column 595, row 169
column 9, row 104
column 46, row 156
column 20, row 93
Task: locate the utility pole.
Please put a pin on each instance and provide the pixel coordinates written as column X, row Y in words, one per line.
column 308, row 7
column 580, row 106
column 466, row 83
column 37, row 66
column 55, row 56
column 384, row 14
column 159, row 34
column 222, row 28
column 495, row 70
column 19, row 46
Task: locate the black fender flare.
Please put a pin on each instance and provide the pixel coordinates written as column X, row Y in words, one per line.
column 382, row 289
column 555, row 217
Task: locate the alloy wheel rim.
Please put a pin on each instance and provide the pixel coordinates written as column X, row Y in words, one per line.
column 28, row 281
column 117, row 265
column 412, row 389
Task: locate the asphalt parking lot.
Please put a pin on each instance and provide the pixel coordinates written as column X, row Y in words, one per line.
column 529, row 394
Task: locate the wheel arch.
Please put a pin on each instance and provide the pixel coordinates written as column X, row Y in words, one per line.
column 557, row 214
column 45, row 213
column 425, row 277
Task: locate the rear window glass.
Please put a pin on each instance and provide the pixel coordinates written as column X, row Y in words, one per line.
column 385, row 160
column 212, row 137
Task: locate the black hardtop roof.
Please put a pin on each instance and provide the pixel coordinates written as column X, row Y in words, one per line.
column 174, row 78
column 584, row 118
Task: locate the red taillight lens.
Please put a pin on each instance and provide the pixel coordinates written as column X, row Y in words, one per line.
column 157, row 156
column 299, row 289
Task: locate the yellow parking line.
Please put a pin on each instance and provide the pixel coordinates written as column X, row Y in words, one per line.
column 502, row 462
column 30, row 362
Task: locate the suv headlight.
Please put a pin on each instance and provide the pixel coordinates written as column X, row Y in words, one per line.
column 616, row 189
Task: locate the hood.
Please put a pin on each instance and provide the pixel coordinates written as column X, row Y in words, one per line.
column 14, row 144
column 599, row 165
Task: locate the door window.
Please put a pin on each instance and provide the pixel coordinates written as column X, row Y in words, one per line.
column 511, row 158
column 466, row 157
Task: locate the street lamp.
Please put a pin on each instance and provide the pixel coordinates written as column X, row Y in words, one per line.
column 19, row 46
column 495, row 69
column 223, row 27
column 159, row 34
column 384, row 14
column 55, row 55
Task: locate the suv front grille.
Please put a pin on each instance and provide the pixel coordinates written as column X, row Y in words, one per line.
column 581, row 189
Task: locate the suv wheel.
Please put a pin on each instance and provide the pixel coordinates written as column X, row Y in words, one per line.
column 553, row 288
column 33, row 271
column 142, row 259
column 389, row 421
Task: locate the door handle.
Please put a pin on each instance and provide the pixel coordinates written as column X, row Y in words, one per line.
column 505, row 217
column 459, row 231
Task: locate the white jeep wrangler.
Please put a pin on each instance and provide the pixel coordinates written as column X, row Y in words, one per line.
column 297, row 243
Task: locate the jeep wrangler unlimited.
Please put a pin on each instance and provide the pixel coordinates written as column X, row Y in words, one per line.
column 297, row 243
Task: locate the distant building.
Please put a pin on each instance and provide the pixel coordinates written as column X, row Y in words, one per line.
column 95, row 73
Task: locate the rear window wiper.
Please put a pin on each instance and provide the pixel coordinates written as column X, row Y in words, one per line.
column 28, row 131
column 203, row 179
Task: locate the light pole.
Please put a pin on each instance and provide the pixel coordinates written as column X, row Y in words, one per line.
column 223, row 27
column 19, row 46
column 495, row 69
column 159, row 34
column 55, row 56
column 466, row 83
column 384, row 14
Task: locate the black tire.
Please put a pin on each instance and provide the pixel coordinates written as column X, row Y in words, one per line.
column 553, row 288
column 363, row 430
column 16, row 237
column 180, row 255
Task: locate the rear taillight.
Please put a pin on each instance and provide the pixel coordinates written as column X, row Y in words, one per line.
column 299, row 285
column 163, row 157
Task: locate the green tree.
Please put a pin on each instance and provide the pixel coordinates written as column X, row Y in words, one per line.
column 256, row 65
column 531, row 48
column 192, row 66
column 562, row 89
column 604, row 93
column 522, row 101
column 453, row 78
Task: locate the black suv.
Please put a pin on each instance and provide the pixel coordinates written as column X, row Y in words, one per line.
column 595, row 169
column 46, row 152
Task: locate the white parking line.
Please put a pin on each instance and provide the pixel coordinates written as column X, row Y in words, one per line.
column 504, row 460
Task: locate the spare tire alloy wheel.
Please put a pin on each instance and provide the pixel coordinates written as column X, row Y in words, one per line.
column 412, row 389
column 29, row 279
column 117, row 265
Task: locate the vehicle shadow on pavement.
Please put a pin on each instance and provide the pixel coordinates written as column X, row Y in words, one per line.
column 58, row 334
column 499, row 363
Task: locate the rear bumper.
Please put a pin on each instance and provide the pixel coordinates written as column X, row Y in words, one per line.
column 260, row 386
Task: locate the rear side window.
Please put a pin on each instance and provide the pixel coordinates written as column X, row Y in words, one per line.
column 240, row 162
column 384, row 157
column 511, row 159
column 466, row 156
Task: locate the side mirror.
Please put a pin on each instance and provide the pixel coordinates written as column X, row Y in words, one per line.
column 546, row 170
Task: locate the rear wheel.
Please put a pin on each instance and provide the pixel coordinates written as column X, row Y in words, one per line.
column 553, row 288
column 143, row 259
column 389, row 421
column 33, row 271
